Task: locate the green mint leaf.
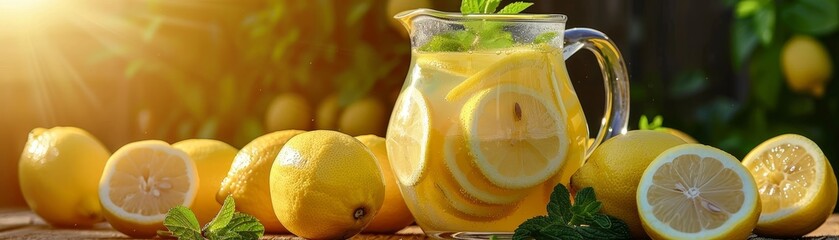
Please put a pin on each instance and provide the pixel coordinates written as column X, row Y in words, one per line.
column 458, row 41
column 545, row 37
column 644, row 123
column 560, row 232
column 616, row 230
column 223, row 217
column 530, row 228
column 182, row 223
column 602, row 220
column 559, row 207
column 489, row 6
column 514, row 8
column 494, row 40
column 470, row 6
column 585, row 196
column 657, row 121
column 242, row 226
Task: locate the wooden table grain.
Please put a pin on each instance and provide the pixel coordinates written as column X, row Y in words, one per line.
column 23, row 224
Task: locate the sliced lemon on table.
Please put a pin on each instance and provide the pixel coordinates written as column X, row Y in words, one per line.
column 468, row 177
column 694, row 191
column 524, row 67
column 408, row 136
column 516, row 135
column 141, row 182
column 796, row 183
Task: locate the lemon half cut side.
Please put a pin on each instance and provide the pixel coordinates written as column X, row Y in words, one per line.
column 694, row 191
column 796, row 183
column 141, row 182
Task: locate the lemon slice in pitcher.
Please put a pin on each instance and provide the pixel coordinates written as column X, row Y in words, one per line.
column 516, row 136
column 524, row 67
column 796, row 183
column 693, row 191
column 461, row 165
column 407, row 137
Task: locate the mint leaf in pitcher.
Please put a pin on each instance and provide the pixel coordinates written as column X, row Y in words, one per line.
column 479, row 34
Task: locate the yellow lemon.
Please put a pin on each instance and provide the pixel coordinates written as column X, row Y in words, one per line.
column 59, row 174
column 806, row 65
column 515, row 136
column 288, row 111
column 213, row 159
column 693, row 191
column 247, row 181
column 614, row 170
column 394, row 214
column 141, row 182
column 408, row 136
column 326, row 185
column 796, row 184
column 364, row 116
column 326, row 118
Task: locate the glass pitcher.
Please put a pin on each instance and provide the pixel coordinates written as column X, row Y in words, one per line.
column 487, row 122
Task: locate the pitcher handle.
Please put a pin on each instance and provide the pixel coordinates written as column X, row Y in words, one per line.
column 615, row 79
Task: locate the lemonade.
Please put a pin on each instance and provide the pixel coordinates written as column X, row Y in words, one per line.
column 478, row 139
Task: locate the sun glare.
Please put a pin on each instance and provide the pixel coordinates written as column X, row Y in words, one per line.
column 22, row 6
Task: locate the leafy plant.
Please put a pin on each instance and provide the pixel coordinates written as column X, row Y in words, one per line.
column 583, row 220
column 228, row 224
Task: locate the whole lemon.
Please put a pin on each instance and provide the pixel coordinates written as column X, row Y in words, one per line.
column 326, row 185
column 59, row 173
column 247, row 181
column 364, row 116
column 614, row 170
column 806, row 65
column 212, row 159
column 326, row 117
column 288, row 111
column 394, row 215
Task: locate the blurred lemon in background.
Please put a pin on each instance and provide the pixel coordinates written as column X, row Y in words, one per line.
column 59, row 174
column 288, row 111
column 364, row 116
column 141, row 182
column 806, row 65
column 326, row 117
column 394, row 215
column 247, row 180
column 615, row 167
column 326, row 185
column 213, row 159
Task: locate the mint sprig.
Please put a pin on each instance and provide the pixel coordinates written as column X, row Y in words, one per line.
column 481, row 34
column 583, row 220
column 645, row 124
column 228, row 224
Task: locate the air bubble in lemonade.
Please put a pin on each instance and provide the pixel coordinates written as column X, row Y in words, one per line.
column 479, row 139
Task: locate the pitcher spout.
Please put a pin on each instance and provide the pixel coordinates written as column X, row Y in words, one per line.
column 407, row 17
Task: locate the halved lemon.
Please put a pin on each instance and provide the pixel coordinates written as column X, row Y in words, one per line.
column 407, row 136
column 141, row 182
column 693, row 191
column 516, row 136
column 524, row 67
column 796, row 184
column 463, row 170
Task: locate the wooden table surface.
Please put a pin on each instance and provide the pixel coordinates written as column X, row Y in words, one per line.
column 23, row 224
